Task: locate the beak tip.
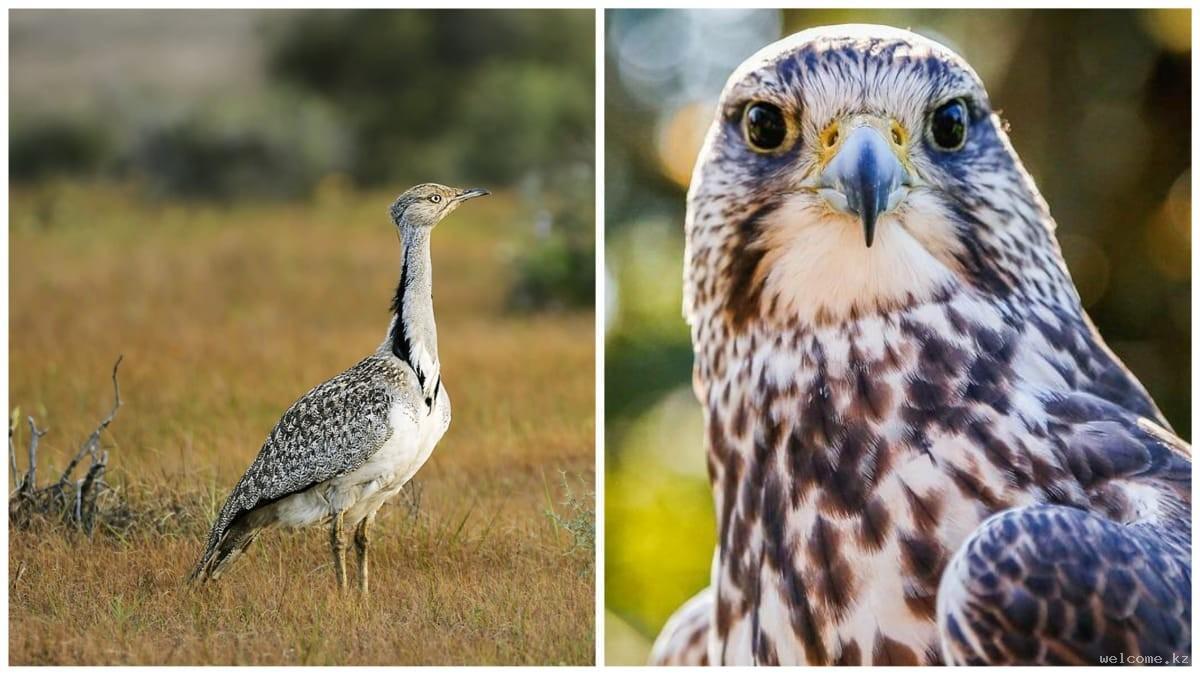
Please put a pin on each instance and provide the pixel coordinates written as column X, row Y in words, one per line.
column 472, row 193
column 869, row 220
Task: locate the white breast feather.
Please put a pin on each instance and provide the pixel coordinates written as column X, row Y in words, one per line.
column 362, row 491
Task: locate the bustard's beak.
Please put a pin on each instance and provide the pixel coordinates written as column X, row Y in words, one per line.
column 865, row 177
column 471, row 194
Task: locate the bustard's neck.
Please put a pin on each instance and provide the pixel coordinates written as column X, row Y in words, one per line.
column 412, row 336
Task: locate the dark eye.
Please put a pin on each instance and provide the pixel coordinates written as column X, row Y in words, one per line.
column 764, row 127
column 948, row 125
column 436, row 199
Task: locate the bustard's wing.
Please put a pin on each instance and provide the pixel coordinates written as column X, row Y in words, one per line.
column 1055, row 584
column 683, row 640
column 330, row 431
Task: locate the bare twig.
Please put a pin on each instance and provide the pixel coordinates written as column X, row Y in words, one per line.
column 88, row 491
column 35, row 435
column 75, row 501
column 16, row 577
column 12, row 448
column 92, row 444
column 77, row 511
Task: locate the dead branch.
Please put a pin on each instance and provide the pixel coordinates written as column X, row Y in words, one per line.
column 92, row 444
column 12, row 448
column 85, row 498
column 74, row 501
column 29, row 480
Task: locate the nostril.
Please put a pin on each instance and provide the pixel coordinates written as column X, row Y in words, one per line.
column 897, row 137
column 829, row 137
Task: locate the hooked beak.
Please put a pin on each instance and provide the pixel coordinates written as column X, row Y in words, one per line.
column 471, row 194
column 865, row 178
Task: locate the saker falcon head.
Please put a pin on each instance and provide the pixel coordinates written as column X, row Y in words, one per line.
column 858, row 168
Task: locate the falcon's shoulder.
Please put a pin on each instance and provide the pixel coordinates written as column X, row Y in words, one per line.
column 1103, row 443
column 1057, row 583
column 1048, row 584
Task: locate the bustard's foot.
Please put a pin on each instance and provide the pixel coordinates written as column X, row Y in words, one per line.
column 337, row 542
column 362, row 542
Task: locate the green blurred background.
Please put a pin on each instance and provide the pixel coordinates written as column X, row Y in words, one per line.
column 281, row 105
column 1099, row 106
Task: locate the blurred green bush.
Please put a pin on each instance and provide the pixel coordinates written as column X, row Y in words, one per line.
column 495, row 96
column 491, row 95
column 501, row 98
column 276, row 146
column 559, row 269
column 46, row 147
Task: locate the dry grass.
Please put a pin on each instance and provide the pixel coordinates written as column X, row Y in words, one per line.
column 226, row 315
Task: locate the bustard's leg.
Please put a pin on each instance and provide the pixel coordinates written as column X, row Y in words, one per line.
column 337, row 541
column 362, row 540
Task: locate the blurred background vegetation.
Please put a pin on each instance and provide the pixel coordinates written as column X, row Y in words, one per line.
column 1099, row 106
column 241, row 106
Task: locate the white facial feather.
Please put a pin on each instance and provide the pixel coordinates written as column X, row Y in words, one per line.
column 816, row 262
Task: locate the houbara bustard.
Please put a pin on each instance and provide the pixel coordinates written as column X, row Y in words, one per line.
column 350, row 444
column 920, row 449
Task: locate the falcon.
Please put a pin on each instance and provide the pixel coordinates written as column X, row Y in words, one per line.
column 921, row 451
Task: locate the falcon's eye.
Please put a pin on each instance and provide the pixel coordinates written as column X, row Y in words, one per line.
column 948, row 125
column 436, row 199
column 764, row 127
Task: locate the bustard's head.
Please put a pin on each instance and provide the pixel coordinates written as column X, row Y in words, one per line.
column 853, row 169
column 426, row 204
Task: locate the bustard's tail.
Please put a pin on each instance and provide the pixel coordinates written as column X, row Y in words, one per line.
column 225, row 544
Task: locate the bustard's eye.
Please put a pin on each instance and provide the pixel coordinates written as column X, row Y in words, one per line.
column 436, row 199
column 948, row 125
column 764, row 127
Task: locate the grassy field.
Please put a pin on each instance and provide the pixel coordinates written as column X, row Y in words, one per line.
column 224, row 316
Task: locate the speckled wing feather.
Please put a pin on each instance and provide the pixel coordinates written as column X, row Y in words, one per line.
column 1054, row 584
column 330, row 431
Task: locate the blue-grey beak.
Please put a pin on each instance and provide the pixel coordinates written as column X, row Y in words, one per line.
column 864, row 178
column 471, row 194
